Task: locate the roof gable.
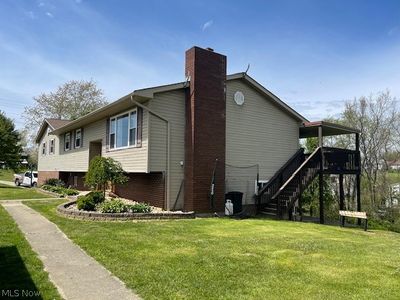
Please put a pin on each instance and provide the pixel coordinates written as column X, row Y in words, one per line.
column 52, row 123
column 261, row 89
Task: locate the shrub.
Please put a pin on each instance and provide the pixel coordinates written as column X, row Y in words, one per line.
column 85, row 203
column 46, row 187
column 69, row 192
column 139, row 208
column 97, row 196
column 60, row 190
column 113, row 206
column 117, row 206
column 54, row 182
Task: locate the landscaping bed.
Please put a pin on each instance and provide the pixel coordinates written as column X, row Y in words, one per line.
column 94, row 207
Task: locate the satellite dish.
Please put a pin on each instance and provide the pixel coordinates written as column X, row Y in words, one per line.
column 239, row 98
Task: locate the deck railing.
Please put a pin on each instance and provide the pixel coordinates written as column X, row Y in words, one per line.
column 280, row 177
column 299, row 180
column 341, row 161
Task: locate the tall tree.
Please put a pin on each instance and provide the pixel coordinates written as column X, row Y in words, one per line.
column 70, row 101
column 378, row 119
column 10, row 147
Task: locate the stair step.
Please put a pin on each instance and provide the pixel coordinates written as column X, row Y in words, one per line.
column 271, row 210
column 268, row 213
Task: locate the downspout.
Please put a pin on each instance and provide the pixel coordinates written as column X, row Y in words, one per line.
column 168, row 149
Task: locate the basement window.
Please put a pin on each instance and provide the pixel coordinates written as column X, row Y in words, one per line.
column 123, row 133
column 67, row 141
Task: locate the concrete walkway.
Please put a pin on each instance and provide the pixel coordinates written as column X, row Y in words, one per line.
column 75, row 274
column 10, row 183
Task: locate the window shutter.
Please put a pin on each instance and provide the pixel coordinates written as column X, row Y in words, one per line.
column 72, row 135
column 139, row 126
column 81, row 137
column 108, row 134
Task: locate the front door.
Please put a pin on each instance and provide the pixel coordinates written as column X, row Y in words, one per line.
column 94, row 149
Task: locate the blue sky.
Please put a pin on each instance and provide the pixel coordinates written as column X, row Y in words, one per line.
column 313, row 54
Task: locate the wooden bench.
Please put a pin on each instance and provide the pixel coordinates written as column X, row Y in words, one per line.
column 354, row 214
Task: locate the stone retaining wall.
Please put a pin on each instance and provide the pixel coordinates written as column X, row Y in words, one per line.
column 97, row 216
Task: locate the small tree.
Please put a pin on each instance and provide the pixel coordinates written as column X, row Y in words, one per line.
column 102, row 171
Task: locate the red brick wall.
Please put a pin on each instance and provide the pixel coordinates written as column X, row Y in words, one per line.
column 205, row 129
column 148, row 188
column 44, row 175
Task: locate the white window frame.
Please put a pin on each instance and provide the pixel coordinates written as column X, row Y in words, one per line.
column 44, row 148
column 129, row 130
column 80, row 138
column 52, row 143
column 65, row 141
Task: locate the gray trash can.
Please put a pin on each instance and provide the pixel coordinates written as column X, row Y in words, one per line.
column 236, row 198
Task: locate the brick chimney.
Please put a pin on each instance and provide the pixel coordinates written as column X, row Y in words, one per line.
column 205, row 129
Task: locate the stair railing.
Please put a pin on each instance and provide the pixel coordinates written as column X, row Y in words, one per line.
column 299, row 179
column 272, row 186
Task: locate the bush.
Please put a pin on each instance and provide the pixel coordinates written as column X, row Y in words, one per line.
column 113, row 206
column 85, row 203
column 69, row 192
column 97, row 196
column 54, row 182
column 117, row 206
column 139, row 208
column 60, row 190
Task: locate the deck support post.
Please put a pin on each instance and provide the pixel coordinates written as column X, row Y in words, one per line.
column 358, row 176
column 321, row 176
column 341, row 192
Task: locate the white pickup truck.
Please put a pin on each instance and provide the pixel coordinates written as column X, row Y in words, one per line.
column 26, row 179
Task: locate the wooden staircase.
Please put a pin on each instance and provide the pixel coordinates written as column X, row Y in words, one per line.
column 278, row 197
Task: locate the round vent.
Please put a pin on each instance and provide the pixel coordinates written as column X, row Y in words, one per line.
column 239, row 98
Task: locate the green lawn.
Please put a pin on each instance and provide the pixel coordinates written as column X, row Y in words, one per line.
column 14, row 192
column 394, row 177
column 20, row 267
column 7, row 175
column 240, row 259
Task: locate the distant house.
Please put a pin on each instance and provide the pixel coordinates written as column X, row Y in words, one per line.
column 176, row 141
column 394, row 165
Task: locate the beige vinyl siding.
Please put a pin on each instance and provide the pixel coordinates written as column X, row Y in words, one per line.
column 258, row 132
column 132, row 159
column 170, row 105
column 77, row 160
column 48, row 162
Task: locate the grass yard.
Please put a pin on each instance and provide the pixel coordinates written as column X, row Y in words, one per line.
column 14, row 192
column 20, row 268
column 394, row 177
column 240, row 259
column 7, row 175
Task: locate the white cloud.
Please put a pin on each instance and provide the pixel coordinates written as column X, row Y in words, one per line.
column 41, row 4
column 78, row 1
column 207, row 25
column 49, row 14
